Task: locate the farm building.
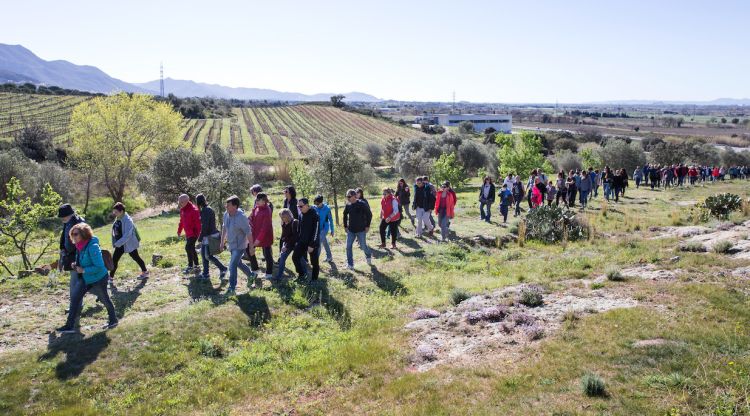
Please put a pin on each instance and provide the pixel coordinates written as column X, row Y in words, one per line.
column 499, row 122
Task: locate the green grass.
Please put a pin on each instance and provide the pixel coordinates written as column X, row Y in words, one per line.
column 338, row 346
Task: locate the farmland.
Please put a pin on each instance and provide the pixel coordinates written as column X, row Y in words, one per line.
column 253, row 133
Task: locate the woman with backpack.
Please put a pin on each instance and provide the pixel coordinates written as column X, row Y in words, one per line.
column 125, row 239
column 91, row 268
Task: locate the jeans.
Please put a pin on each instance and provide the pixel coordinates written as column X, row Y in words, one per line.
column 119, row 251
column 206, row 255
column 76, row 283
column 618, row 190
column 98, row 288
column 282, row 264
column 596, row 192
column 190, row 250
column 235, row 261
column 608, row 191
column 268, row 255
column 362, row 237
column 504, row 212
column 485, row 215
column 423, row 221
column 408, row 213
column 637, row 183
column 299, row 258
column 325, row 245
column 583, row 197
column 443, row 220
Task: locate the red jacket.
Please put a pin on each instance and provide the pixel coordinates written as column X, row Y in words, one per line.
column 450, row 203
column 386, row 208
column 260, row 222
column 190, row 221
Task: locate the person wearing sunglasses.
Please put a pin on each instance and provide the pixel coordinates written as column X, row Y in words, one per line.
column 90, row 267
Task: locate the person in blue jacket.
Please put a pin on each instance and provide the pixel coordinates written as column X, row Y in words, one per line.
column 326, row 225
column 90, row 266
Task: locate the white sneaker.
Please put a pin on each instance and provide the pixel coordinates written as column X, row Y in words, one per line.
column 269, row 276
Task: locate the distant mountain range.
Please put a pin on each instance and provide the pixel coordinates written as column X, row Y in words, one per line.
column 185, row 88
column 718, row 101
column 20, row 65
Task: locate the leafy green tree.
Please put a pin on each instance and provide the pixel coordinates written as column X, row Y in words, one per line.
column 590, row 158
column 124, row 133
column 338, row 101
column 447, row 168
column 36, row 143
column 618, row 154
column 521, row 154
column 466, row 127
column 338, row 168
column 170, row 174
column 21, row 219
column 302, row 180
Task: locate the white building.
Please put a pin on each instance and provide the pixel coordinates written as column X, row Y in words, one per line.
column 499, row 122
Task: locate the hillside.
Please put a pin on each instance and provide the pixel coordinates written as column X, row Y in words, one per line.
column 258, row 132
column 667, row 334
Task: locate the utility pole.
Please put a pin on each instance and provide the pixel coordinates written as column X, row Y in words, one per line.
column 161, row 79
column 454, row 101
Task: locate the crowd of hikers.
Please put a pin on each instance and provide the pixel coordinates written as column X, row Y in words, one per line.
column 306, row 226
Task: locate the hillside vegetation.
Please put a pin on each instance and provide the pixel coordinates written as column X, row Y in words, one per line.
column 629, row 323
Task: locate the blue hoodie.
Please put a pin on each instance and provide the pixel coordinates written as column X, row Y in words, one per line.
column 90, row 258
column 326, row 219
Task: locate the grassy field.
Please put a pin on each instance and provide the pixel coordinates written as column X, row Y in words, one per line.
column 338, row 346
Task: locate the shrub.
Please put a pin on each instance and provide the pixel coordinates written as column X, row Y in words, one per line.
column 548, row 224
column 165, row 263
column 374, row 153
column 447, row 168
column 593, row 386
column 522, row 319
column 720, row 206
column 614, row 274
column 722, row 247
column 596, row 285
column 36, row 143
column 459, row 295
column 212, row 347
column 531, row 296
column 619, row 154
column 425, row 314
column 693, row 246
column 533, row 332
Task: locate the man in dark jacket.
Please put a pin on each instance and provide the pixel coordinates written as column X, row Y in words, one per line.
column 208, row 231
column 308, row 241
column 68, row 249
column 357, row 219
column 486, row 199
column 424, row 203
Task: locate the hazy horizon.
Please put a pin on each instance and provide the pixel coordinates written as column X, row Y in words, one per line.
column 576, row 52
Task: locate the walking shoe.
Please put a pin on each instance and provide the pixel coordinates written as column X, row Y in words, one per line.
column 252, row 275
column 230, row 292
column 66, row 330
column 381, row 245
column 144, row 275
column 269, row 276
column 349, row 267
column 111, row 282
column 223, row 275
column 188, row 270
column 329, row 260
column 110, row 325
column 369, row 260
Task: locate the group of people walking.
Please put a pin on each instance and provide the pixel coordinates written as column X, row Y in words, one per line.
column 681, row 175
column 305, row 228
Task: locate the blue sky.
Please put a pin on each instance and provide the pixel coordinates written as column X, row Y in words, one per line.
column 487, row 51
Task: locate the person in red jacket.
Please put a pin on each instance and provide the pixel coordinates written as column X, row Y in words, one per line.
column 262, row 229
column 190, row 222
column 389, row 216
column 445, row 205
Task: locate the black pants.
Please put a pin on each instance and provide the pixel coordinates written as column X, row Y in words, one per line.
column 119, row 251
column 191, row 253
column 268, row 255
column 299, row 258
column 97, row 288
column 561, row 194
column 393, row 228
column 572, row 197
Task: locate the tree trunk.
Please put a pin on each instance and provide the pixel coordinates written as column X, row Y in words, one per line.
column 88, row 190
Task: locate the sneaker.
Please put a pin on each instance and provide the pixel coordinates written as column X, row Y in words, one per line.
column 369, row 260
column 144, row 275
column 253, row 275
column 230, row 292
column 329, row 259
column 66, row 330
column 111, row 282
column 110, row 325
column 188, row 270
column 269, row 276
column 223, row 275
column 197, row 269
column 381, row 245
column 349, row 267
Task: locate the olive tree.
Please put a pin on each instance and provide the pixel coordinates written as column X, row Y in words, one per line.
column 338, row 168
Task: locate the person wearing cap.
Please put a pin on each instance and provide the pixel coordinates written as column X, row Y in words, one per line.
column 190, row 222
column 308, row 241
column 68, row 248
column 445, row 208
column 326, row 225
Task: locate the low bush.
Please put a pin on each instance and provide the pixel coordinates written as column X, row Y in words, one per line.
column 593, row 386
column 533, row 332
column 550, row 224
column 531, row 296
column 614, row 274
column 722, row 247
column 720, row 206
column 459, row 295
column 212, row 347
column 693, row 247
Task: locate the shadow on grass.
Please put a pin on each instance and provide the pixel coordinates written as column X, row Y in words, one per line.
column 199, row 289
column 317, row 292
column 79, row 352
column 255, row 307
column 387, row 284
column 124, row 300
